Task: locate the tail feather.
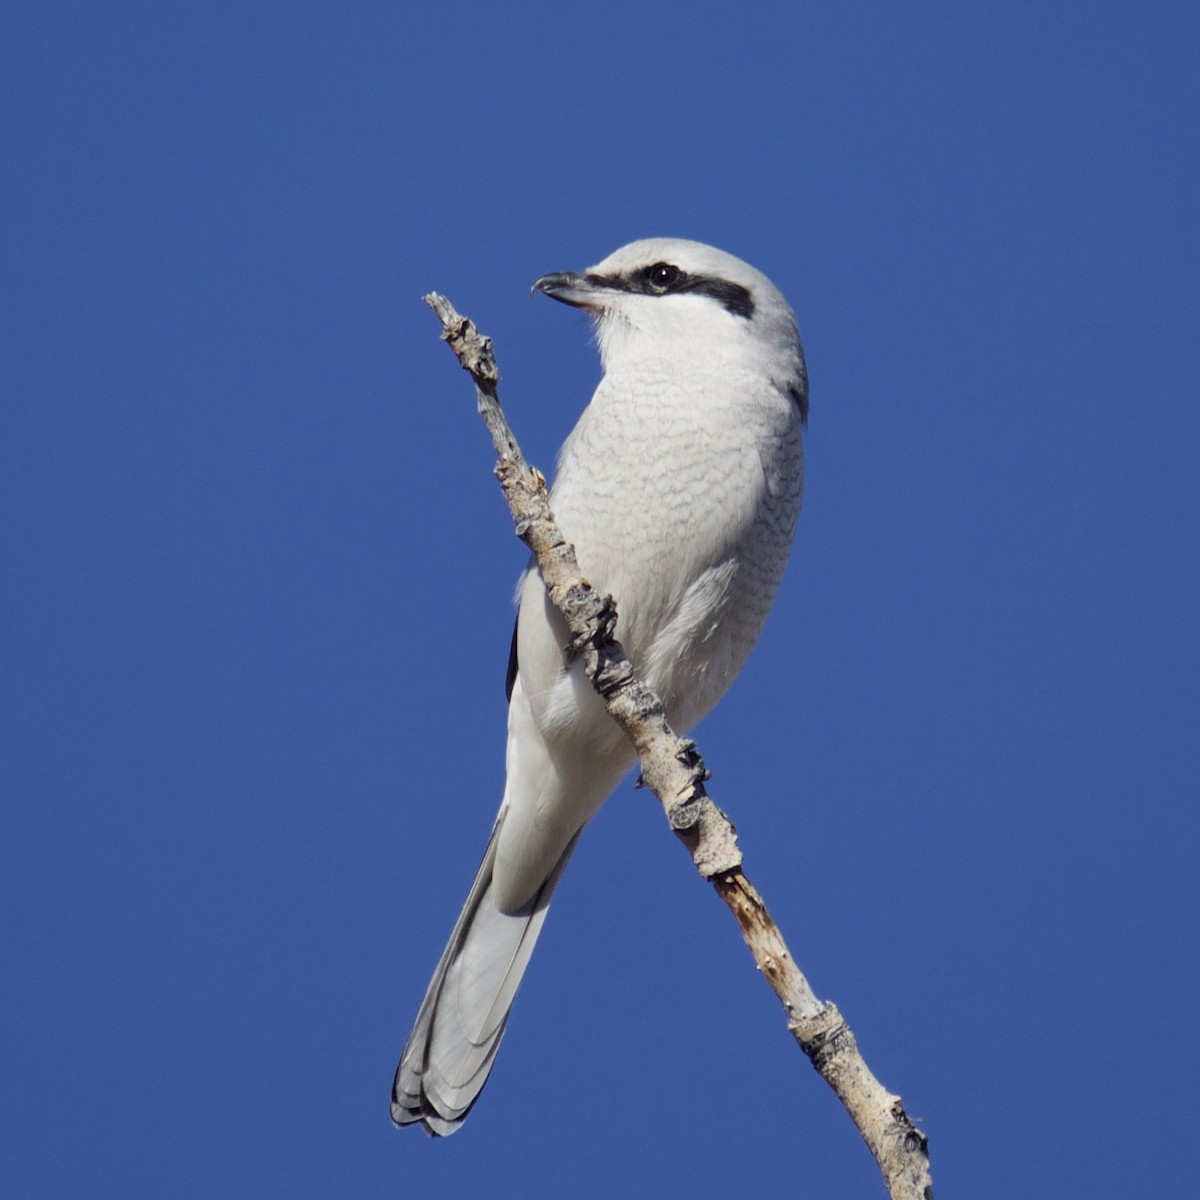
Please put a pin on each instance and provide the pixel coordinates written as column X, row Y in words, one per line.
column 453, row 1044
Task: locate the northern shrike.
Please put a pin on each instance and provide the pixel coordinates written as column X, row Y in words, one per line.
column 680, row 489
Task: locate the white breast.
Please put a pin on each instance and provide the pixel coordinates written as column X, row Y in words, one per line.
column 681, row 498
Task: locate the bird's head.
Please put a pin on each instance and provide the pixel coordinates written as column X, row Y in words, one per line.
column 675, row 301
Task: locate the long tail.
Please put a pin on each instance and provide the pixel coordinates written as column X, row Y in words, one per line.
column 450, row 1051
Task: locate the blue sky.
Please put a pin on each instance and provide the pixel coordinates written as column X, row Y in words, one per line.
column 257, row 578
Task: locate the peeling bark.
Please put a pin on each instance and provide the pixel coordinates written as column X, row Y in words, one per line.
column 674, row 771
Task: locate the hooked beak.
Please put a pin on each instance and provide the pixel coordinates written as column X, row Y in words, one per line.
column 571, row 288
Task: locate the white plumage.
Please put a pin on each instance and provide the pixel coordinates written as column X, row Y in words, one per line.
column 680, row 489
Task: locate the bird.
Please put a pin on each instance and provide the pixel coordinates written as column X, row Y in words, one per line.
column 680, row 488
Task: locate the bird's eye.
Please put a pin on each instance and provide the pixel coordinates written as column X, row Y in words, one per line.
column 662, row 277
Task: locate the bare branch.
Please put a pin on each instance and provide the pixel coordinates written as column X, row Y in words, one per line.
column 673, row 769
